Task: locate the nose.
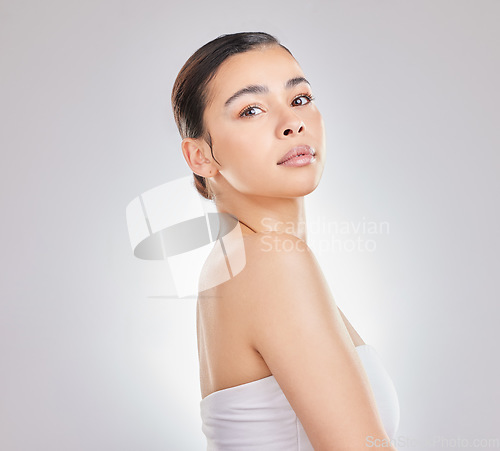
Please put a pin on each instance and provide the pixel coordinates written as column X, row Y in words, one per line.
column 291, row 125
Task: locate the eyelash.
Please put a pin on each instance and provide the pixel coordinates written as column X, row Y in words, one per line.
column 310, row 97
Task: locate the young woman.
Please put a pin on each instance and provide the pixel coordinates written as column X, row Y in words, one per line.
column 281, row 367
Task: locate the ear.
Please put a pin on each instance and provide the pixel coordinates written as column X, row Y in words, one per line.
column 194, row 151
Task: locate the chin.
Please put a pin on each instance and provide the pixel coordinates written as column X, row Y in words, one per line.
column 304, row 185
column 302, row 189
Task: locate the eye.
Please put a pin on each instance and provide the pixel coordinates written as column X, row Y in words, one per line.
column 308, row 98
column 250, row 111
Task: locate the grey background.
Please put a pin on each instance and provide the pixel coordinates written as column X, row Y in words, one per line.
column 409, row 94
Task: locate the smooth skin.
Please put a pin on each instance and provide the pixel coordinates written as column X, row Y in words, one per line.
column 277, row 316
column 248, row 183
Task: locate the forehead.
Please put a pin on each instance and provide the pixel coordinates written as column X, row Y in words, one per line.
column 271, row 66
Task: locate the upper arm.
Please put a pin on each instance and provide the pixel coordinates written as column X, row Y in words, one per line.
column 296, row 327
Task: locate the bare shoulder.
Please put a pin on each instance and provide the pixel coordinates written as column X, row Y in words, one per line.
column 231, row 262
column 296, row 327
column 272, row 247
column 275, row 264
column 235, row 276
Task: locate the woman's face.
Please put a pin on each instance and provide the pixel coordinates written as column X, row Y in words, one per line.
column 253, row 131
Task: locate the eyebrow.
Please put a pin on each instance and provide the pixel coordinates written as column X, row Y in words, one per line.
column 261, row 89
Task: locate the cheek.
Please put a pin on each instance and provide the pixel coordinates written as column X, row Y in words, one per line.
column 248, row 160
column 244, row 147
column 317, row 128
column 317, row 120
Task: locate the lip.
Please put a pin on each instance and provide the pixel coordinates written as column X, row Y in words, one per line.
column 303, row 149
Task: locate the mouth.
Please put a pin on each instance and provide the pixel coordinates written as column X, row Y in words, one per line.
column 298, row 151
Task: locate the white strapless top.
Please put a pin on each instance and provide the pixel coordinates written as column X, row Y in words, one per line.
column 257, row 415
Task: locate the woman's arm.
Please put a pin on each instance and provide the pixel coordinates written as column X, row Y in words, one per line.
column 295, row 325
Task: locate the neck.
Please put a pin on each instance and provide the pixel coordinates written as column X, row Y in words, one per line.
column 260, row 214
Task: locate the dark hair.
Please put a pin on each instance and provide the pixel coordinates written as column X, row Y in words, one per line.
column 189, row 93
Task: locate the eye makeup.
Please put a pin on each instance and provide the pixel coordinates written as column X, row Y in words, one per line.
column 248, row 108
